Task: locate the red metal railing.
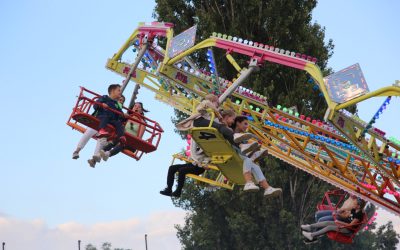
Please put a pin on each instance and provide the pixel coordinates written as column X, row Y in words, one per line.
column 81, row 115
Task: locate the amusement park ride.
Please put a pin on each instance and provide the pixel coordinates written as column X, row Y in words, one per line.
column 343, row 150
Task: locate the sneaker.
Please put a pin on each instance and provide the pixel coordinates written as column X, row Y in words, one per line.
column 176, row 193
column 307, row 241
column 75, row 155
column 240, row 137
column 92, row 163
column 308, row 236
column 250, row 186
column 102, row 133
column 249, row 147
column 306, row 228
column 97, row 158
column 259, row 155
column 104, row 155
column 270, row 191
column 166, row 192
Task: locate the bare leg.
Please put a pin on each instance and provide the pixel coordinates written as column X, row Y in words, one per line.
column 264, row 184
column 248, row 177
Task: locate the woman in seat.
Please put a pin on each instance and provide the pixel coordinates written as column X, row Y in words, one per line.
column 241, row 125
column 341, row 225
column 201, row 118
column 132, row 127
column 343, row 212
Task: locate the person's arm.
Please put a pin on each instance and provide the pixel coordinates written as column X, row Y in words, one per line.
column 342, row 224
column 102, row 101
column 354, row 221
column 142, row 129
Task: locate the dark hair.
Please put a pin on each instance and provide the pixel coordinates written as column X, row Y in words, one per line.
column 143, row 109
column 361, row 202
column 123, row 97
column 112, row 87
column 238, row 119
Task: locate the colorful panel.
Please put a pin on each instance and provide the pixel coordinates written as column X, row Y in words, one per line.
column 346, row 84
column 182, row 42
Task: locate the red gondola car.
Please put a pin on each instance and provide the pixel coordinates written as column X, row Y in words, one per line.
column 332, row 201
column 81, row 117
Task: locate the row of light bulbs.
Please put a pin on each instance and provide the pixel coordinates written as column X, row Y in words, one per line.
column 224, row 83
column 265, row 47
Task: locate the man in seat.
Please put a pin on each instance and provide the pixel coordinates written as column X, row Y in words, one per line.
column 89, row 133
column 109, row 103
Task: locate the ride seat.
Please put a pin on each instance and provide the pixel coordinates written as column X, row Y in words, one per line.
column 132, row 142
column 221, row 153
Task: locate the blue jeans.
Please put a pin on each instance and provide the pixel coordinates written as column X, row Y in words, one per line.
column 250, row 166
column 106, row 118
column 324, row 215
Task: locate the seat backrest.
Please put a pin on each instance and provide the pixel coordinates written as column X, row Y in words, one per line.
column 348, row 238
column 222, row 154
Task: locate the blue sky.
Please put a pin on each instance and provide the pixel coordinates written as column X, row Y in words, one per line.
column 50, row 48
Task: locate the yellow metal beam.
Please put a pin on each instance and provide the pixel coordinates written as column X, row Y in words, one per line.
column 203, row 44
column 386, row 91
column 233, row 62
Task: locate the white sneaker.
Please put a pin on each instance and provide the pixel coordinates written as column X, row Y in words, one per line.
column 97, row 158
column 92, row 163
column 250, row 186
column 270, row 191
column 239, row 137
column 306, row 228
column 104, row 155
column 249, row 147
column 308, row 235
column 259, row 155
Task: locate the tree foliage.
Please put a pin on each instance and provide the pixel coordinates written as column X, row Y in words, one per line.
column 233, row 220
column 104, row 246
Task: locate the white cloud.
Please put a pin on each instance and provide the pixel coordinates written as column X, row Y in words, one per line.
column 35, row 234
column 159, row 226
column 384, row 217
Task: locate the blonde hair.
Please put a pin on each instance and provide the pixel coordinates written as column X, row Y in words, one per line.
column 211, row 98
column 227, row 112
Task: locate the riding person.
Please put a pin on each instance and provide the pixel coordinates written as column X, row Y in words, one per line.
column 343, row 212
column 342, row 225
column 137, row 129
column 89, row 133
column 106, row 112
column 249, row 167
column 201, row 118
column 200, row 161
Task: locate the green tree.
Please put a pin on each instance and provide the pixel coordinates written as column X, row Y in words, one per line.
column 232, row 220
column 387, row 238
column 90, row 247
column 106, row 246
